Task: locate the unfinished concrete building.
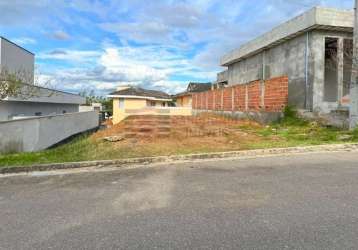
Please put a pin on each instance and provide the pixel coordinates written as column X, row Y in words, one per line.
column 314, row 50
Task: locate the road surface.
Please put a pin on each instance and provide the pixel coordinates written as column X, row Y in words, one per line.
column 291, row 202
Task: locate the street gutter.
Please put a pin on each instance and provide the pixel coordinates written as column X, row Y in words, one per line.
column 182, row 158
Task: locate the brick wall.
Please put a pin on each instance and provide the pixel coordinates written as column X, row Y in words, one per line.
column 254, row 96
column 227, row 99
column 271, row 96
column 276, row 94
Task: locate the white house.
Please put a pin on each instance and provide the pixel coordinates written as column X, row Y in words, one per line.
column 41, row 117
column 42, row 101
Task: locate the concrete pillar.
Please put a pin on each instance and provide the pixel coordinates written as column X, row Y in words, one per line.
column 222, row 99
column 232, row 98
column 353, row 107
column 246, row 97
column 262, row 94
column 340, row 65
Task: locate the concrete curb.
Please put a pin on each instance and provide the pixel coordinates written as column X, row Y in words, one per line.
column 180, row 158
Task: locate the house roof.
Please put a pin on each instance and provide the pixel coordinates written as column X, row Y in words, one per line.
column 195, row 87
column 316, row 18
column 140, row 92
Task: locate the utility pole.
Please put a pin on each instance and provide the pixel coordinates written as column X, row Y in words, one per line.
column 353, row 109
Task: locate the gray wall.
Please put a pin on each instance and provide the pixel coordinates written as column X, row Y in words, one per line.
column 318, row 53
column 17, row 60
column 35, row 134
column 9, row 109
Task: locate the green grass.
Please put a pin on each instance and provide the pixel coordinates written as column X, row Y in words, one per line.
column 288, row 132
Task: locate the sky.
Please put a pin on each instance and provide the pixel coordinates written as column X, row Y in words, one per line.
column 97, row 45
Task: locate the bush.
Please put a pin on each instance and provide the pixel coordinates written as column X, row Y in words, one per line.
column 291, row 117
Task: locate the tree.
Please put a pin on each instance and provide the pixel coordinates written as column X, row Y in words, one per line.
column 12, row 85
column 92, row 98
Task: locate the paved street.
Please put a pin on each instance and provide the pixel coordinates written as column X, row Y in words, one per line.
column 294, row 202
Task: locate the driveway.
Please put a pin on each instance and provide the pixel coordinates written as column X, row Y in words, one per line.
column 294, row 202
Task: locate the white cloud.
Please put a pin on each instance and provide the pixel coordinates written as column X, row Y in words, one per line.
column 147, row 67
column 61, row 35
column 24, row 40
column 73, row 56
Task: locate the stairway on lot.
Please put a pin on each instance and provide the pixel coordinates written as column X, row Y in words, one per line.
column 147, row 126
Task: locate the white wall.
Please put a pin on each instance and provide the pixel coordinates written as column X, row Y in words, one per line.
column 34, row 134
column 8, row 110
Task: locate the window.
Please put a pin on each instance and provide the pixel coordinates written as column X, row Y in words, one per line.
column 152, row 104
column 121, row 103
column 347, row 65
column 331, row 70
column 163, row 104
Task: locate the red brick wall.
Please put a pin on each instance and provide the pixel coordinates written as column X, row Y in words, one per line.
column 240, row 97
column 217, row 94
column 276, row 93
column 254, row 96
column 194, row 101
column 210, row 100
column 273, row 94
column 227, row 104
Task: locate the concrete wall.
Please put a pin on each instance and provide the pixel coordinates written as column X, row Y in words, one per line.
column 10, row 109
column 318, row 67
column 36, row 134
column 17, row 60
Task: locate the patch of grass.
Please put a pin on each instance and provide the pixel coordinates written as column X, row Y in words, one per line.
column 290, row 131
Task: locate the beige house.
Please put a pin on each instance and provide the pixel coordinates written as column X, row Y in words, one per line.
column 129, row 101
column 184, row 99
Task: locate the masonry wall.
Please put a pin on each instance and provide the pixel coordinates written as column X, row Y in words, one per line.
column 256, row 96
column 317, row 81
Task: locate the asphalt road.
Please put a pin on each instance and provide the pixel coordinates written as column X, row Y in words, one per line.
column 292, row 202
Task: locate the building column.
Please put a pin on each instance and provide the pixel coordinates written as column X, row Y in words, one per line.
column 340, row 66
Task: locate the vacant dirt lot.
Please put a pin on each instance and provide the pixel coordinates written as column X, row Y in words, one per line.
column 162, row 136
column 170, row 134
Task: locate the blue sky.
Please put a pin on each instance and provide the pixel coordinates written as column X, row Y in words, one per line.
column 159, row 44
